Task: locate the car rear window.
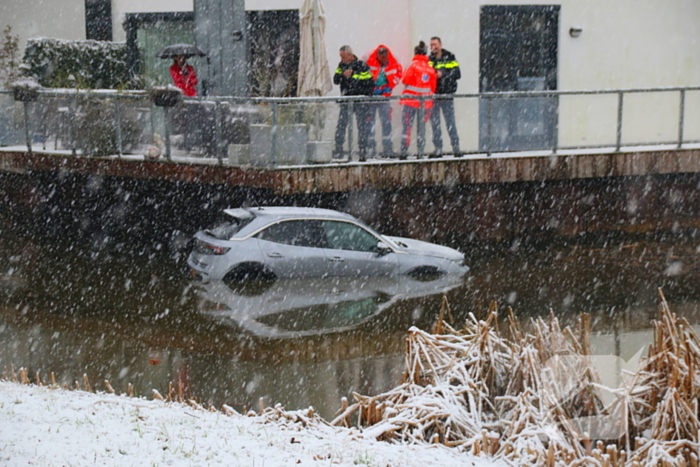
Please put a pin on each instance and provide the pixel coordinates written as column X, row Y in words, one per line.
column 226, row 227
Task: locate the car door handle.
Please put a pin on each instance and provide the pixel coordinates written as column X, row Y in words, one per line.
column 275, row 254
column 336, row 259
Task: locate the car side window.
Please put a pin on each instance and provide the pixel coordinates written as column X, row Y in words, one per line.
column 296, row 233
column 346, row 236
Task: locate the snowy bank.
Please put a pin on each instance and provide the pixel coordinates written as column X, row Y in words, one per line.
column 57, row 427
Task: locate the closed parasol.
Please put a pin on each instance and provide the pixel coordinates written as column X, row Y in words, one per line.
column 188, row 50
column 314, row 73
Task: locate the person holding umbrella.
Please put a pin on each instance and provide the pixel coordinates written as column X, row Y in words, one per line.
column 191, row 118
column 184, row 76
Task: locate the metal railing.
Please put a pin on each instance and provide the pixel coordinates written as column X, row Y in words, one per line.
column 620, row 94
column 275, row 132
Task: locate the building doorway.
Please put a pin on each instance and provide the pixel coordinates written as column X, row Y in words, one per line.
column 518, row 52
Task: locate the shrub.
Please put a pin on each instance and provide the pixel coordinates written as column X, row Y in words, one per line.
column 86, row 64
column 98, row 132
column 9, row 57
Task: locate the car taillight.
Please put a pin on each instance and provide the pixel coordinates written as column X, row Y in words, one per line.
column 207, row 249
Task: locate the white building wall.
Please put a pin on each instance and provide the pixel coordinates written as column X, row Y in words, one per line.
column 623, row 44
column 630, row 43
column 64, row 19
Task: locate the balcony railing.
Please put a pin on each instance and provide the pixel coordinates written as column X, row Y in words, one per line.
column 274, row 132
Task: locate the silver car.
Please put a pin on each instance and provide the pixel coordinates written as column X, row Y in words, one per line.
column 292, row 242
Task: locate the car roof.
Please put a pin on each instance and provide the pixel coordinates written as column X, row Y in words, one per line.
column 258, row 217
column 271, row 213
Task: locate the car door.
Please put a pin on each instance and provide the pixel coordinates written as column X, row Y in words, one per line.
column 352, row 251
column 294, row 248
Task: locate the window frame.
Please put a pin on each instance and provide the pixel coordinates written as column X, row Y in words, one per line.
column 260, row 233
column 356, row 226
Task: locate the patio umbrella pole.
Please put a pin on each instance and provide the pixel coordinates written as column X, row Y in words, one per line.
column 118, row 126
column 26, row 127
column 167, row 133
column 217, row 128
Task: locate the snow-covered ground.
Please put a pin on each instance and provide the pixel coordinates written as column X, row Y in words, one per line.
column 56, row 427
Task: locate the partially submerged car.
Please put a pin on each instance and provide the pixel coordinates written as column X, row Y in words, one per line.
column 293, row 242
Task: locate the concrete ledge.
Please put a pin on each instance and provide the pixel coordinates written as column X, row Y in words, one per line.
column 379, row 175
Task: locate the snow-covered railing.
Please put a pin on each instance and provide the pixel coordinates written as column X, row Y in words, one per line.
column 275, row 132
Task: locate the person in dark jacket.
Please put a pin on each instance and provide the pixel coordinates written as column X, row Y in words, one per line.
column 447, row 68
column 355, row 79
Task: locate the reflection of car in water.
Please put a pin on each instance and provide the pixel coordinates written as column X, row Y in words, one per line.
column 304, row 307
column 285, row 242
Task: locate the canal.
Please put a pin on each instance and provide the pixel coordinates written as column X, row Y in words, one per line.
column 126, row 313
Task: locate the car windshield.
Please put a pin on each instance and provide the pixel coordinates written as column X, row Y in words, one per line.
column 226, row 227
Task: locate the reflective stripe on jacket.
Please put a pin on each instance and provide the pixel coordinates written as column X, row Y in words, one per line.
column 447, row 63
column 393, row 71
column 360, row 83
column 420, row 79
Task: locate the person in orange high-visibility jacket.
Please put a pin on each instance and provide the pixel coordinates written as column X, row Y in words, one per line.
column 386, row 73
column 419, row 79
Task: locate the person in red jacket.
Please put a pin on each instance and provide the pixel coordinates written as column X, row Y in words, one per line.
column 184, row 76
column 386, row 73
column 419, row 79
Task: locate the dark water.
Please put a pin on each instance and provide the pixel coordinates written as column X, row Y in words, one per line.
column 127, row 314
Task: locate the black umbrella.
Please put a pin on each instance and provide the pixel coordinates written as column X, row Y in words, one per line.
column 174, row 50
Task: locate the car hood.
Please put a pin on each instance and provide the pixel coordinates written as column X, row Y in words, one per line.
column 418, row 247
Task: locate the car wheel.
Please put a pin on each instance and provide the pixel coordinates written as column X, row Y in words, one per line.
column 425, row 273
column 250, row 272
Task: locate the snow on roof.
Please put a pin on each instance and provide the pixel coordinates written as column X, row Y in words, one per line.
column 293, row 211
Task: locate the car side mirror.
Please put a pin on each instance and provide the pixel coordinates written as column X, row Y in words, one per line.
column 383, row 249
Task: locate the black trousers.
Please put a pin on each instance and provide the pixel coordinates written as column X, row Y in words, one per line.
column 363, row 117
column 447, row 107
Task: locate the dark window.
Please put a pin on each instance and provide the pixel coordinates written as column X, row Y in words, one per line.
column 518, row 52
column 98, row 20
column 345, row 236
column 273, row 49
column 146, row 34
column 518, row 43
column 296, row 233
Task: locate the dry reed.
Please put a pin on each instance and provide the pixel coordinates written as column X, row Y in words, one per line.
column 502, row 394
